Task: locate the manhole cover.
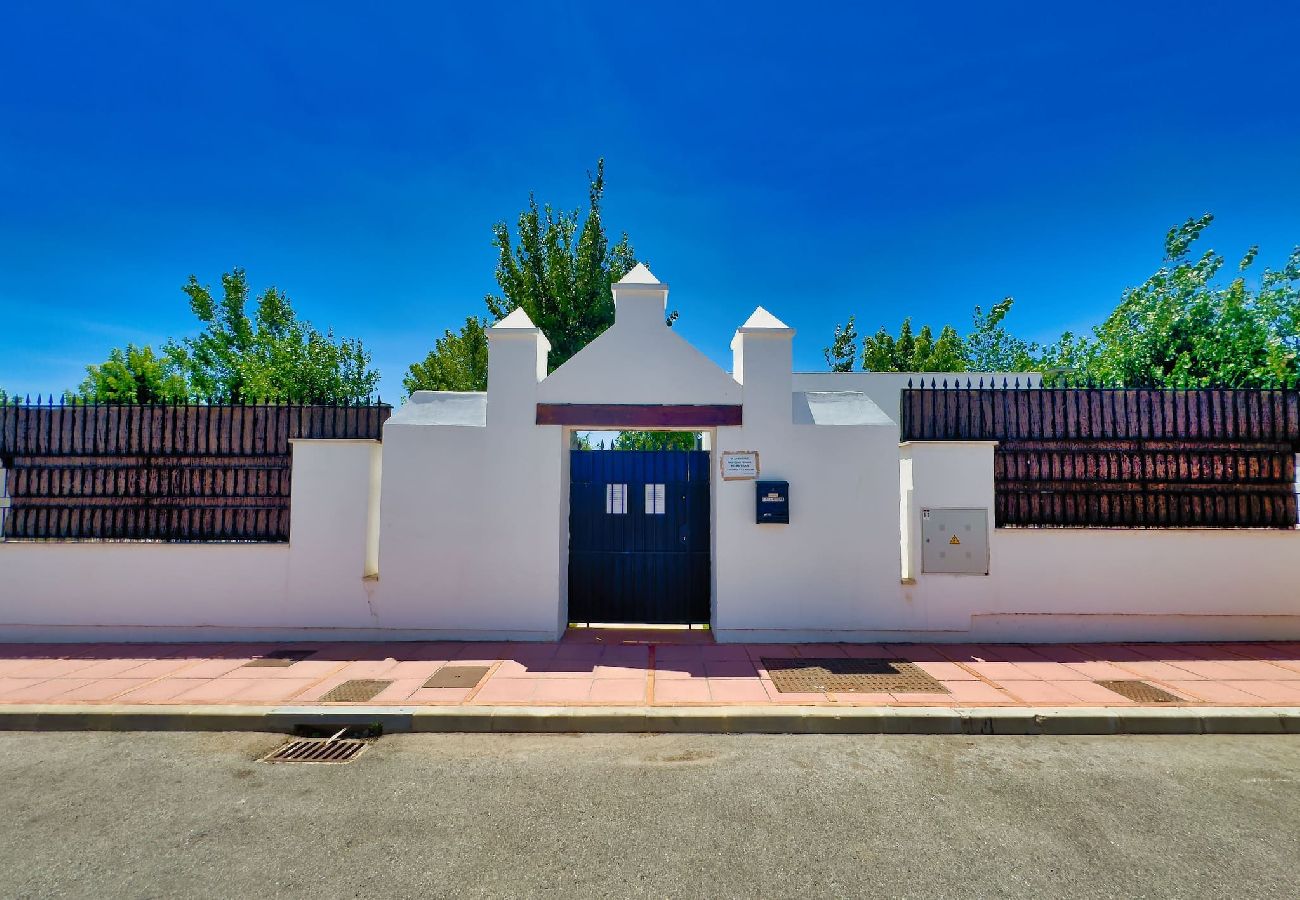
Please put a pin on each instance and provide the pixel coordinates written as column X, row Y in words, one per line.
column 457, row 677
column 1140, row 691
column 278, row 659
column 850, row 676
column 355, row 691
column 317, row 750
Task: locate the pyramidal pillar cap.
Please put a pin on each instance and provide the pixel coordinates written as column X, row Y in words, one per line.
column 517, row 324
column 640, row 278
column 762, row 323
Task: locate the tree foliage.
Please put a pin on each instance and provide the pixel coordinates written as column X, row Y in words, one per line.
column 558, row 266
column 271, row 354
column 235, row 357
column 458, row 361
column 919, row 352
column 654, row 440
column 134, row 375
column 1181, row 327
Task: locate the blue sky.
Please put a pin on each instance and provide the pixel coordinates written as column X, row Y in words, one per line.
column 877, row 159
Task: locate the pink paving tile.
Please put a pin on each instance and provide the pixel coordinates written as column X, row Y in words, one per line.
column 822, row 651
column 273, row 689
column 1061, row 653
column 618, row 690
column 678, row 653
column 557, row 689
column 107, row 668
column 212, row 668
column 1234, row 669
column 881, row 651
column 1162, row 671
column 962, row 653
column 1091, row 692
column 680, row 691
column 585, row 652
column 216, row 690
column 922, row 699
column 509, row 668
column 736, row 691
column 975, row 692
column 772, row 651
column 730, row 668
column 156, row 668
column 161, row 691
column 997, row 671
column 679, row 671
column 1100, row 671
column 867, row 698
column 102, row 689
column 776, row 696
column 54, row 668
column 626, row 656
column 1212, row 691
column 439, row 695
column 720, row 652
column 1037, row 691
column 945, row 671
column 1275, row 691
column 45, row 690
column 624, row 671
column 9, row 684
column 364, row 668
column 507, row 690
column 1007, row 653
column 400, row 689
column 1049, row 671
column 1214, row 669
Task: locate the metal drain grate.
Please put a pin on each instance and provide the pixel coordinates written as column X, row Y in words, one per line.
column 317, row 750
column 850, row 676
column 1140, row 691
column 457, row 677
column 355, row 691
column 278, row 659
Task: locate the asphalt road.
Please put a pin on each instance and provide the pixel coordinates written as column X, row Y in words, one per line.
column 171, row 815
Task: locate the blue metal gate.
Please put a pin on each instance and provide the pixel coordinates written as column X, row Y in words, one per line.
column 639, row 536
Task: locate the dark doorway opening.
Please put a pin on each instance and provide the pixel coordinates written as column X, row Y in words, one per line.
column 639, row 545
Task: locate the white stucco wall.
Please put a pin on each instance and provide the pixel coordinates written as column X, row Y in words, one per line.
column 458, row 525
column 83, row 591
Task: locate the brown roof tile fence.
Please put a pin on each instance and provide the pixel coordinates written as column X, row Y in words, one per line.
column 1124, row 458
column 161, row 472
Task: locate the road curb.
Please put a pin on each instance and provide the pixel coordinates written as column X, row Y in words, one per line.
column 679, row 720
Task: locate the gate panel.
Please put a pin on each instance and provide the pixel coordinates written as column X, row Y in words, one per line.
column 639, row 536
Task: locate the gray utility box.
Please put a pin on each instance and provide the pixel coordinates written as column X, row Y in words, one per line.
column 955, row 541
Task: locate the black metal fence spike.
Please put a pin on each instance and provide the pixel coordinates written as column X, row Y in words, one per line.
column 909, row 383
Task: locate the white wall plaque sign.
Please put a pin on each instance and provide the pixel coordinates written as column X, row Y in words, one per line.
column 739, row 465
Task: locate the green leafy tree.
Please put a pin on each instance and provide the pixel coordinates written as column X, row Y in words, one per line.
column 559, row 267
column 134, row 375
column 842, row 354
column 654, row 440
column 909, row 352
column 991, row 348
column 270, row 355
column 1181, row 328
column 458, row 362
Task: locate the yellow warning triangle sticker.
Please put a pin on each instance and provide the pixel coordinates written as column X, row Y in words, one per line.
column 954, row 540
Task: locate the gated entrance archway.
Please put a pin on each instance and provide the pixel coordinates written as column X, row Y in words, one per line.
column 639, row 542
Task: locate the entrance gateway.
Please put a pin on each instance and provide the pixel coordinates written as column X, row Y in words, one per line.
column 639, row 540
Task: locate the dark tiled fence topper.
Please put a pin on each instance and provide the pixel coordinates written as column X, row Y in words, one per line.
column 1125, row 458
column 165, row 472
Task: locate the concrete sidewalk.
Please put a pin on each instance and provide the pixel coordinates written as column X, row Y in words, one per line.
column 659, row 681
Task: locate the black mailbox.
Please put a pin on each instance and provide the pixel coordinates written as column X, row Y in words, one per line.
column 773, row 507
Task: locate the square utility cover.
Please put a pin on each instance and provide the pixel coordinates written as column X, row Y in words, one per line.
column 955, row 541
